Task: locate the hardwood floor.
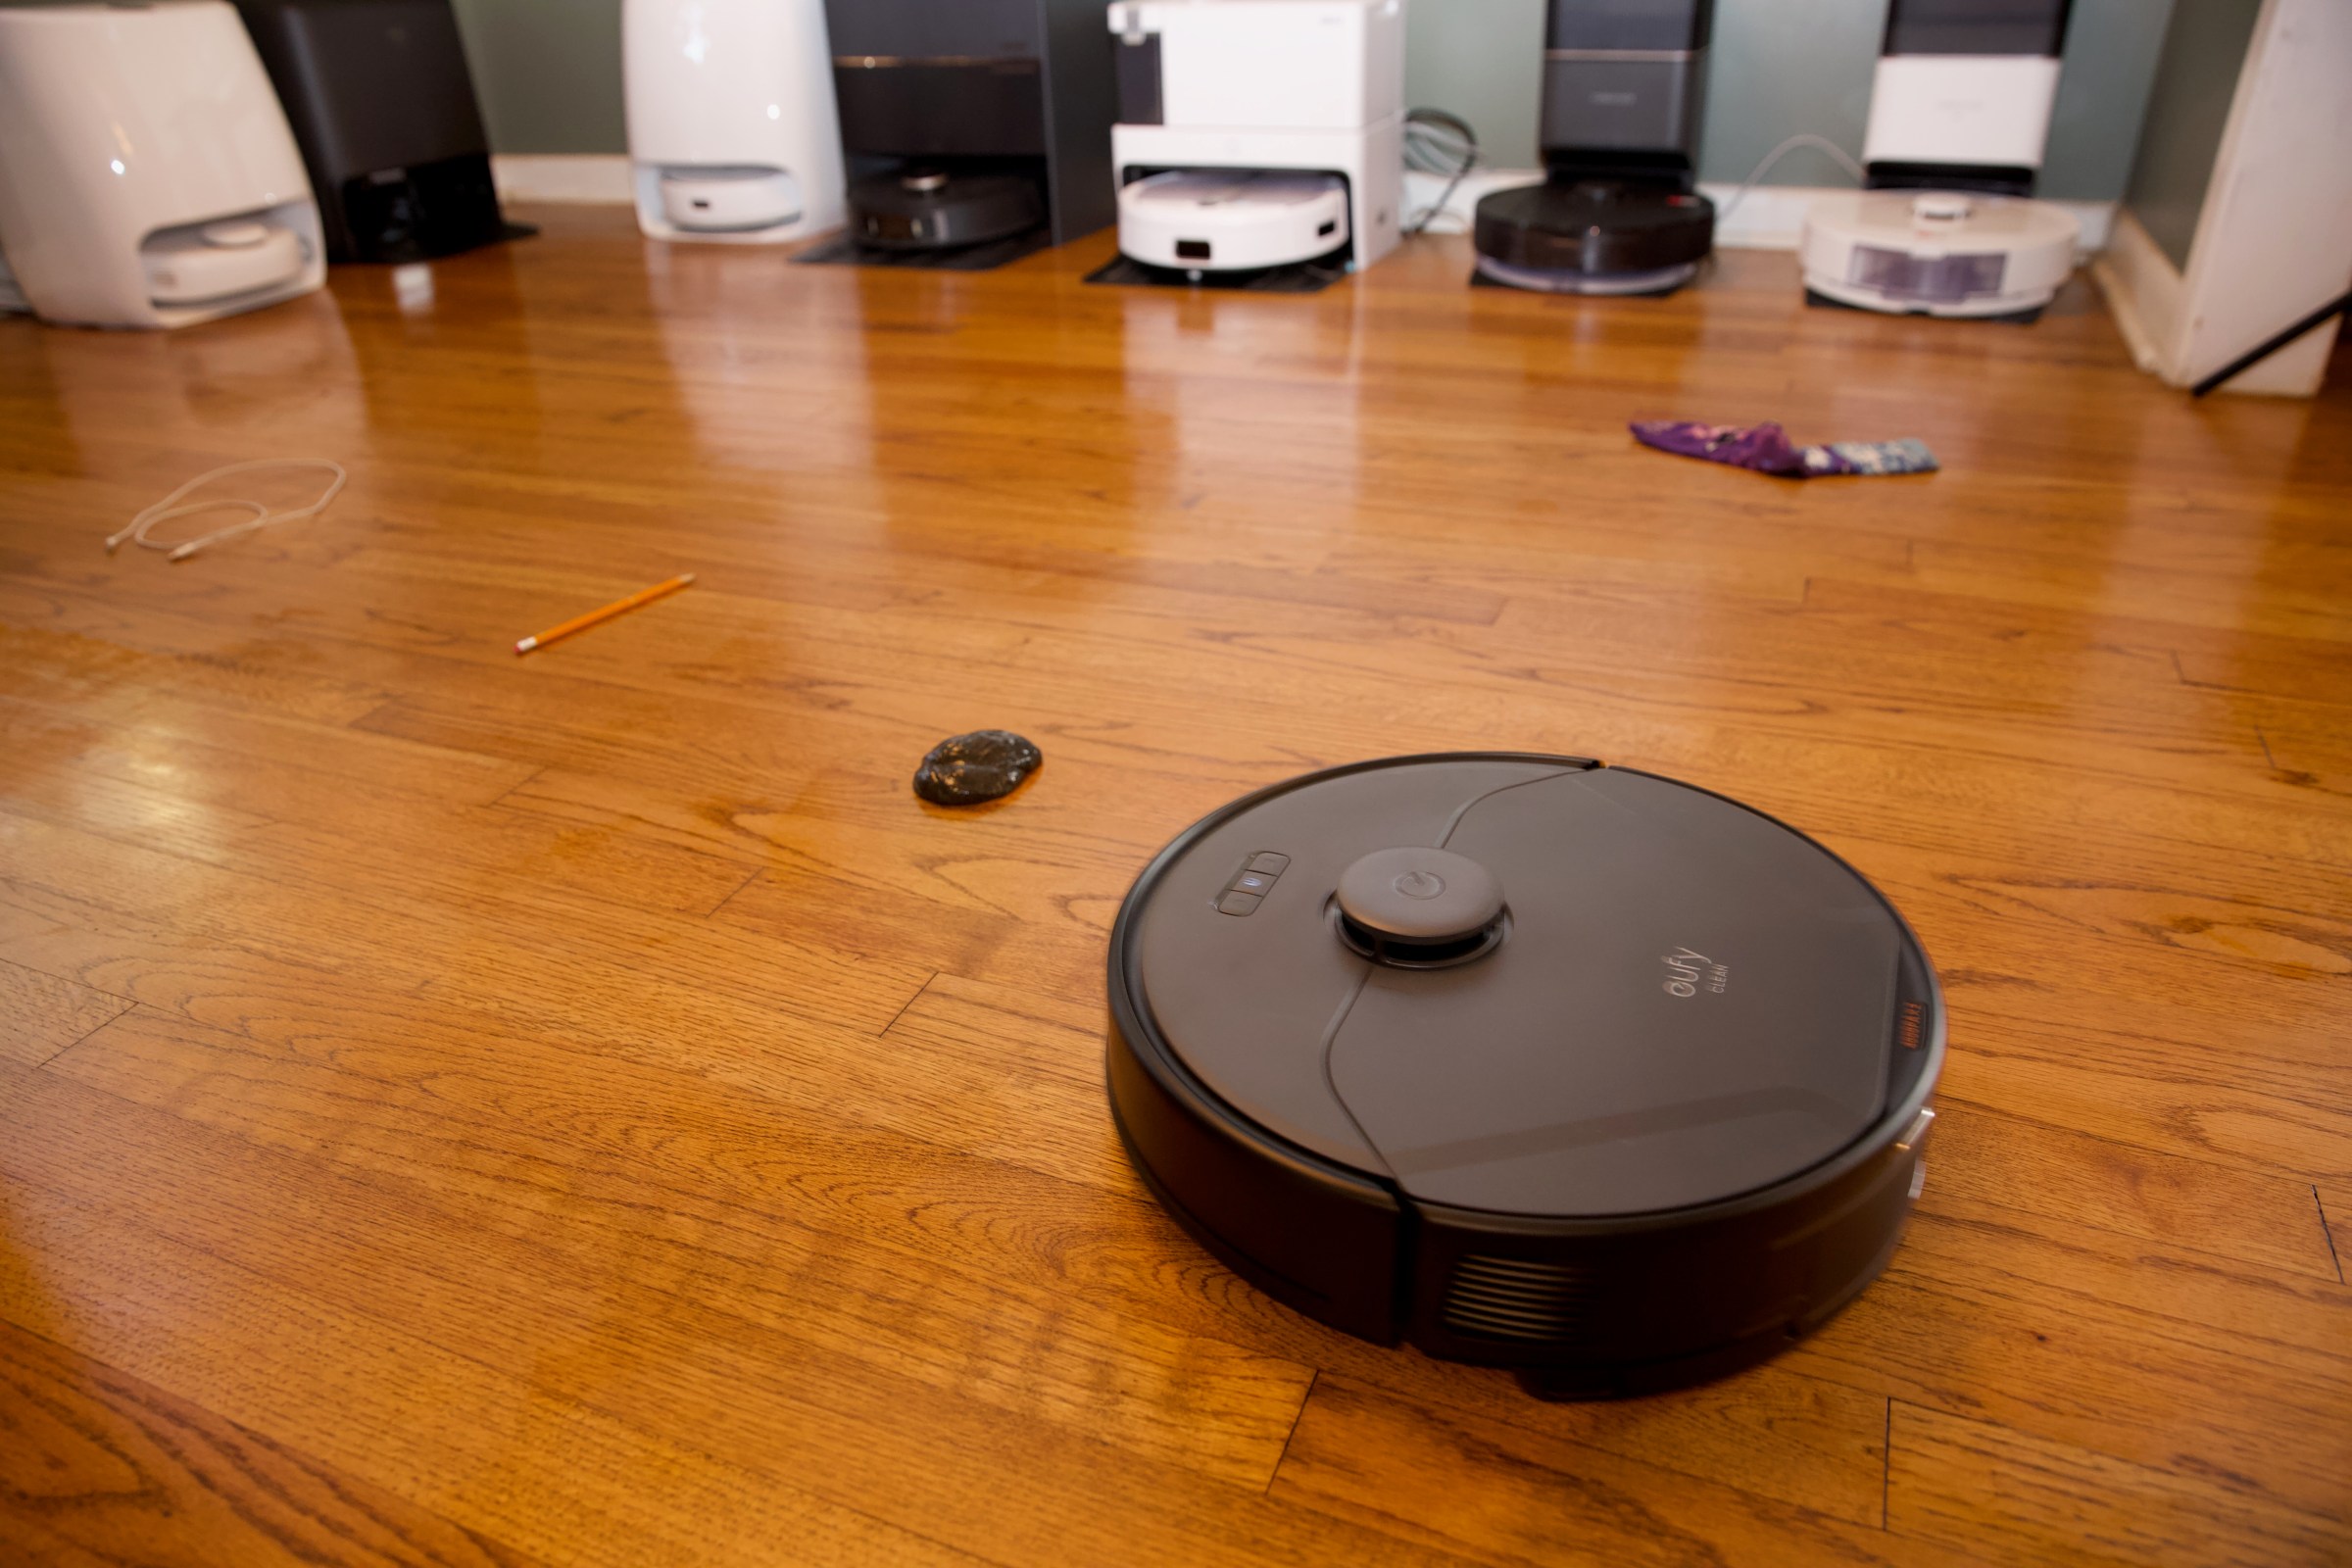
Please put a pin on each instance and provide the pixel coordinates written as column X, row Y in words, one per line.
column 461, row 1111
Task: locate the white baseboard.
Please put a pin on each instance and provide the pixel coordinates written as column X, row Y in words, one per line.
column 1420, row 190
column 1768, row 220
column 593, row 178
column 2147, row 297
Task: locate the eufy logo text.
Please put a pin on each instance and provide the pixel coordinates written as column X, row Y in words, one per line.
column 1687, row 973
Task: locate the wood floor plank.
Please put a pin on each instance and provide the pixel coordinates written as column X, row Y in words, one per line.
column 523, row 952
column 39, row 662
column 2244, row 1091
column 2143, row 726
column 2208, row 811
column 2002, row 1496
column 2184, row 1306
column 2293, row 609
column 112, row 780
column 2209, row 914
column 2333, row 1200
column 2313, row 674
column 1503, row 1494
column 2181, row 1363
column 134, row 731
column 835, row 1309
column 711, row 1184
column 2150, row 809
column 850, row 635
column 41, row 1014
column 100, row 1468
column 2305, row 746
column 500, row 1458
column 788, row 1433
column 1983, row 1157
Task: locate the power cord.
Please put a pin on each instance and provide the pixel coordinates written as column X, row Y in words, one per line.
column 171, row 505
column 1803, row 138
column 1441, row 144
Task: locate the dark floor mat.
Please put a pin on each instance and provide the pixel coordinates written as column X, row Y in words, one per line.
column 843, row 250
column 2015, row 317
column 1297, row 277
column 1479, row 279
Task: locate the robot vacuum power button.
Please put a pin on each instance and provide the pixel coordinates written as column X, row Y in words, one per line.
column 1417, row 898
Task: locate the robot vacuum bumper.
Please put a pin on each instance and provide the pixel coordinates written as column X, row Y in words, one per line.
column 1591, row 237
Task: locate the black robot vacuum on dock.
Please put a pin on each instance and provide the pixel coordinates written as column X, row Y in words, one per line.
column 1619, row 209
column 933, row 209
column 1527, row 1061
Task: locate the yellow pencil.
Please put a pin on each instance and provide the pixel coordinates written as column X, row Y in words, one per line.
column 643, row 596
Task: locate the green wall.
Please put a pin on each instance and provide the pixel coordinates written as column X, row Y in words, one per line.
column 2195, row 80
column 2111, row 51
column 549, row 75
column 548, row 72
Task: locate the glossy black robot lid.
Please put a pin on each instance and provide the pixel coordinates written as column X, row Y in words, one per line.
column 1678, row 1000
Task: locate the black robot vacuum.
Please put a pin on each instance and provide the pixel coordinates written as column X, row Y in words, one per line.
column 933, row 209
column 1528, row 1062
column 1593, row 236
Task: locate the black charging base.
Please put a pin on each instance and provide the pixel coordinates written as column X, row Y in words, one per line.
column 2013, row 318
column 1479, row 279
column 844, row 250
column 1294, row 277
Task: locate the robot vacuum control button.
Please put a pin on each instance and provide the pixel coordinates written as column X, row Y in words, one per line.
column 1252, row 883
column 1419, row 896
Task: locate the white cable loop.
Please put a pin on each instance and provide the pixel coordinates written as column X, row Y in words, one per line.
column 1803, row 138
column 1441, row 144
column 171, row 505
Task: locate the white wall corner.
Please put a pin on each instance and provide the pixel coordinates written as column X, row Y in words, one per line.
column 2274, row 240
column 593, row 178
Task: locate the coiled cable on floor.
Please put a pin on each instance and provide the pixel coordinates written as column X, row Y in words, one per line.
column 175, row 505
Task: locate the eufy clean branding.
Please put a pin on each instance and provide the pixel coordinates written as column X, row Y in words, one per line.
column 1687, row 973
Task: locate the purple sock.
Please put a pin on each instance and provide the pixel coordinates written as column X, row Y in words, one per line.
column 1766, row 448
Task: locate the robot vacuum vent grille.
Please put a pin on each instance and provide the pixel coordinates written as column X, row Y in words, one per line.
column 1901, row 275
column 1512, row 1298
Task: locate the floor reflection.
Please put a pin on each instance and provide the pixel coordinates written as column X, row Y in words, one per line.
column 286, row 374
